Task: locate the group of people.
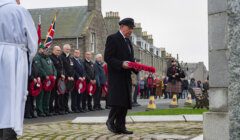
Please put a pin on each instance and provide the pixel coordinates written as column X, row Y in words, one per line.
column 59, row 68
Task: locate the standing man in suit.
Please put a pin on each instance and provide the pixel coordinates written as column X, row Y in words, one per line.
column 76, row 104
column 118, row 53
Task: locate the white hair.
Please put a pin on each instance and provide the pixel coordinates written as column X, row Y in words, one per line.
column 98, row 55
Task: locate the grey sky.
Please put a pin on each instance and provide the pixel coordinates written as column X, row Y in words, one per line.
column 180, row 26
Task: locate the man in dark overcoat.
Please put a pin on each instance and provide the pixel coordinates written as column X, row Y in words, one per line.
column 118, row 53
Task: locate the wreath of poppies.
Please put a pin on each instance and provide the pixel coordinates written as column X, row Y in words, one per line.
column 80, row 86
column 105, row 88
column 61, row 86
column 48, row 84
column 35, row 88
column 91, row 88
column 138, row 66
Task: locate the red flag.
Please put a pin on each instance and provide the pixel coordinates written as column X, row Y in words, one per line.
column 39, row 32
column 50, row 34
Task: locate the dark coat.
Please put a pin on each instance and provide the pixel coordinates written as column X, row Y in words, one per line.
column 119, row 79
column 79, row 68
column 68, row 65
column 185, row 84
column 171, row 72
column 58, row 63
column 100, row 75
column 35, row 73
column 89, row 69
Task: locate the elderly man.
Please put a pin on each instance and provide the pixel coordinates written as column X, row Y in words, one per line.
column 58, row 107
column 90, row 78
column 118, row 53
column 76, row 97
column 100, row 81
column 18, row 45
column 70, row 72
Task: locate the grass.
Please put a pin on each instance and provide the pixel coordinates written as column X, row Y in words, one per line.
column 173, row 111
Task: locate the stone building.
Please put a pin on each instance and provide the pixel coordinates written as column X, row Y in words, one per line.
column 198, row 71
column 85, row 28
column 82, row 27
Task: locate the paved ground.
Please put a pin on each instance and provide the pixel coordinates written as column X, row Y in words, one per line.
column 162, row 104
column 61, row 128
column 142, row 131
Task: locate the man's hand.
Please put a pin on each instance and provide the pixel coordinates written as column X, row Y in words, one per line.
column 35, row 80
column 63, row 76
column 125, row 65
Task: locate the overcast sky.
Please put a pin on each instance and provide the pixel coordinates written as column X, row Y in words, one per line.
column 180, row 26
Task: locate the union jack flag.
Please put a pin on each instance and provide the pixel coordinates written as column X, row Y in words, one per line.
column 50, row 34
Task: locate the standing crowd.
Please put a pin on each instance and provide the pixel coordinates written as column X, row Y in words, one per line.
column 59, row 73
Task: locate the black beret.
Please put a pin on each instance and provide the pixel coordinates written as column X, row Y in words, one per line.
column 128, row 22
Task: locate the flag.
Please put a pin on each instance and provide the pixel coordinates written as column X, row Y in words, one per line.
column 39, row 31
column 50, row 34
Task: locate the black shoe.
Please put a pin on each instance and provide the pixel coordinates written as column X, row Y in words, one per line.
column 48, row 114
column 76, row 111
column 41, row 115
column 81, row 111
column 90, row 109
column 61, row 112
column 34, row 116
column 126, row 132
column 28, row 117
column 111, row 128
column 100, row 108
column 107, row 107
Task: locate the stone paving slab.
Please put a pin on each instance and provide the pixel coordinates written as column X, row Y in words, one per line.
column 132, row 119
column 94, row 120
column 142, row 131
column 193, row 118
column 200, row 137
column 157, row 118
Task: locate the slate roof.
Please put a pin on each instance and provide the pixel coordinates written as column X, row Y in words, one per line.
column 71, row 22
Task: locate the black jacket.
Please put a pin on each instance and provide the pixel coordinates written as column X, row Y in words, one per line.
column 100, row 76
column 89, row 69
column 79, row 68
column 58, row 63
column 68, row 65
column 119, row 79
column 171, row 71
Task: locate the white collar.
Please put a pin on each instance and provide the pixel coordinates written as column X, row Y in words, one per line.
column 122, row 34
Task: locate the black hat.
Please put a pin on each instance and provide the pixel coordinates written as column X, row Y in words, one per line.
column 128, row 22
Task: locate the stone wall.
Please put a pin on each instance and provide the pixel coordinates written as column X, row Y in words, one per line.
column 216, row 122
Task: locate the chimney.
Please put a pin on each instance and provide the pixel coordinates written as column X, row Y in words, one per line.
column 111, row 20
column 163, row 52
column 145, row 35
column 150, row 39
column 94, row 5
column 138, row 30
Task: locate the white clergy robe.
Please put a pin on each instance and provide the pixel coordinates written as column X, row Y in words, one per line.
column 18, row 45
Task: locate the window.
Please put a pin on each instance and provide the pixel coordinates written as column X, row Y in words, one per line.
column 93, row 42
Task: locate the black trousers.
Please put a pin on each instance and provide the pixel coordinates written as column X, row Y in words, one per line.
column 52, row 100
column 117, row 117
column 29, row 107
column 97, row 98
column 65, row 101
column 76, row 100
column 86, row 101
column 8, row 134
column 135, row 93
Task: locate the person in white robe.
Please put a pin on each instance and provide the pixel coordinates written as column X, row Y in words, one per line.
column 18, row 45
